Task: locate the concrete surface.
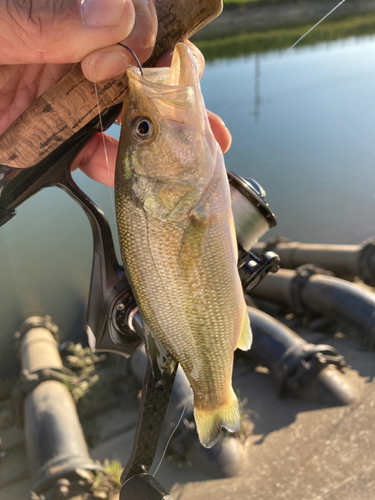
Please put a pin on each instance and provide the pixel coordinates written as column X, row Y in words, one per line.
column 297, row 449
column 300, row 450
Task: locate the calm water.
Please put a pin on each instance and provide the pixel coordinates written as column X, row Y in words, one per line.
column 305, row 131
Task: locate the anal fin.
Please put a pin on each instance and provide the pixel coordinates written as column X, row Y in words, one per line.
column 246, row 336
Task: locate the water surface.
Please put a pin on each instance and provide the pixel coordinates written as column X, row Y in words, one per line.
column 305, row 130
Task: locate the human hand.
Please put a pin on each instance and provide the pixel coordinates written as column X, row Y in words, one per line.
column 39, row 41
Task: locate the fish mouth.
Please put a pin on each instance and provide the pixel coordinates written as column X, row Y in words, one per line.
column 183, row 67
column 176, row 85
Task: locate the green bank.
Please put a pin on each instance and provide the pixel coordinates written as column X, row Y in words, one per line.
column 241, row 2
column 262, row 41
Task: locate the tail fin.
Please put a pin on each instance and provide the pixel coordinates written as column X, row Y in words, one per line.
column 209, row 423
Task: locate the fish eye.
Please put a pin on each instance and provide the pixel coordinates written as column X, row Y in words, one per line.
column 142, row 128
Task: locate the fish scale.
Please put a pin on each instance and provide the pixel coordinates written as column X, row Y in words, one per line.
column 169, row 287
column 177, row 237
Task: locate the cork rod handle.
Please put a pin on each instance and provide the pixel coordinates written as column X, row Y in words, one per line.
column 71, row 102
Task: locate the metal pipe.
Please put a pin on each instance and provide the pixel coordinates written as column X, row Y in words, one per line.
column 343, row 260
column 332, row 297
column 38, row 350
column 55, row 443
column 275, row 287
column 301, row 369
column 342, row 301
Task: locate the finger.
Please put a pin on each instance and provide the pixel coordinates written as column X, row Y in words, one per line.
column 166, row 58
column 113, row 60
column 220, row 131
column 36, row 31
column 96, row 161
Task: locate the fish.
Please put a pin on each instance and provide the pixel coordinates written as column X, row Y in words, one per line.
column 177, row 236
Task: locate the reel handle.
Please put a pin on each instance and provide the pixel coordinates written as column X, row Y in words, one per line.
column 143, row 486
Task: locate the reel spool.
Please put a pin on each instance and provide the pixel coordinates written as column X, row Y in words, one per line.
column 252, row 219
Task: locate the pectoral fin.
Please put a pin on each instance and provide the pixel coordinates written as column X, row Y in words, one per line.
column 195, row 235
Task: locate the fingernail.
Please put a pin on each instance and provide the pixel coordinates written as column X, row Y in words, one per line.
column 101, row 13
column 110, row 65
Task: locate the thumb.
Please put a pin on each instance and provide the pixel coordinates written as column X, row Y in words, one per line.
column 61, row 31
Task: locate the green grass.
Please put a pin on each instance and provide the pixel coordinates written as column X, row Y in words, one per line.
column 240, row 2
column 279, row 39
column 112, row 473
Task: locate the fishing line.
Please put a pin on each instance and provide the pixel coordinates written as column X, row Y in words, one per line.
column 284, row 54
column 104, row 144
column 309, row 31
column 174, row 430
column 101, row 122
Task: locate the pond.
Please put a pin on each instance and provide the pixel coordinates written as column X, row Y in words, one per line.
column 303, row 126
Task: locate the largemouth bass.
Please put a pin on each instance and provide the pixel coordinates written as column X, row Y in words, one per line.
column 177, row 235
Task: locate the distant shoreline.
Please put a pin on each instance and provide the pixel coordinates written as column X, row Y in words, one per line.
column 259, row 16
